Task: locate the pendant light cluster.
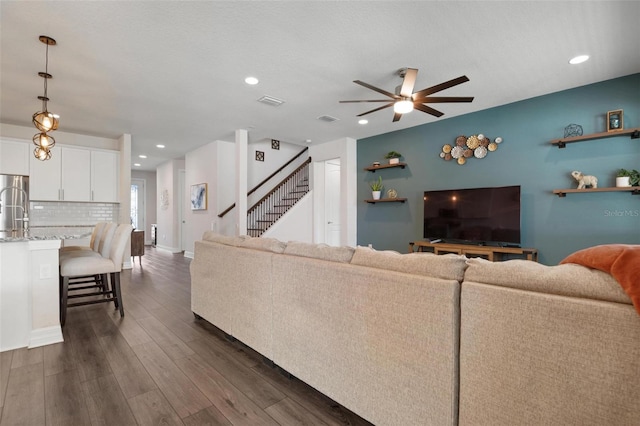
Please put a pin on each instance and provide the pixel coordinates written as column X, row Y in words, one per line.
column 44, row 120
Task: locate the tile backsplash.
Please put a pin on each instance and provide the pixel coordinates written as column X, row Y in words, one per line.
column 58, row 213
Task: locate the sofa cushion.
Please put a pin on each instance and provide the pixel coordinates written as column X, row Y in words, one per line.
column 264, row 244
column 224, row 239
column 447, row 266
column 565, row 280
column 246, row 241
column 319, row 251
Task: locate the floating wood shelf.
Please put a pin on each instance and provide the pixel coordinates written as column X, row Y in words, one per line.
column 385, row 166
column 387, row 200
column 561, row 143
column 635, row 190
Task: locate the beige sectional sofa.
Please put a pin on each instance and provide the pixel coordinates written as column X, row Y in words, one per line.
column 420, row 339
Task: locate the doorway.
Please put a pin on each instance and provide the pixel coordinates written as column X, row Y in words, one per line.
column 138, row 212
column 332, row 207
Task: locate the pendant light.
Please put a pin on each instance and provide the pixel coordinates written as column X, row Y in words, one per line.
column 44, row 120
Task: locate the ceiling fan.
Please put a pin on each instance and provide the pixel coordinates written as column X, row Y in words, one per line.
column 406, row 100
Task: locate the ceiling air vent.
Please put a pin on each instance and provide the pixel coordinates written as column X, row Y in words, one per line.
column 270, row 100
column 328, row 118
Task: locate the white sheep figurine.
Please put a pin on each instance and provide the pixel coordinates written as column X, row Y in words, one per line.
column 584, row 180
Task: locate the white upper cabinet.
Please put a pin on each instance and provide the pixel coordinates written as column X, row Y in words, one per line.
column 104, row 176
column 44, row 177
column 75, row 174
column 14, row 157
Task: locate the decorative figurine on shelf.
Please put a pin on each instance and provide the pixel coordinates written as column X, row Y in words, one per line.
column 584, row 180
column 572, row 130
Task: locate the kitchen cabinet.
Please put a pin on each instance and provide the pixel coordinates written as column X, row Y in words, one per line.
column 44, row 177
column 14, row 157
column 104, row 176
column 75, row 174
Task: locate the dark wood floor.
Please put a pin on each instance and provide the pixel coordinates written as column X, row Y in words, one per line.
column 156, row 366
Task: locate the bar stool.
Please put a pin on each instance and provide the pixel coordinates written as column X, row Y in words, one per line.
column 94, row 264
column 101, row 246
column 96, row 235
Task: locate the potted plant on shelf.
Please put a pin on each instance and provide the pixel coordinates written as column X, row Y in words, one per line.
column 393, row 157
column 626, row 178
column 376, row 188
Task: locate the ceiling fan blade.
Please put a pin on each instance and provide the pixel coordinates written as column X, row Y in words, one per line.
column 428, row 110
column 374, row 100
column 442, row 99
column 438, row 87
column 377, row 109
column 374, row 88
column 397, row 116
column 408, row 82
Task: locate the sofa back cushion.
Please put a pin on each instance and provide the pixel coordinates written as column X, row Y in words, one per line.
column 263, row 244
column 319, row 251
column 564, row 280
column 448, row 266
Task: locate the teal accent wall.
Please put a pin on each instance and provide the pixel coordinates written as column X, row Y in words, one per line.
column 555, row 226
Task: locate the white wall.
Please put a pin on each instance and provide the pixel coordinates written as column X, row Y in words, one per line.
column 150, row 200
column 220, row 188
column 346, row 150
column 167, row 213
column 296, row 224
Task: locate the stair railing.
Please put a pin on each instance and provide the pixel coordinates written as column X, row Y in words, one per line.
column 278, row 201
column 228, row 209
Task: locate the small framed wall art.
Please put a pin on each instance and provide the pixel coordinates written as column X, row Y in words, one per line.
column 614, row 120
column 199, row 196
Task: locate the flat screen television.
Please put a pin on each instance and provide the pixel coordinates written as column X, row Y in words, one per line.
column 482, row 216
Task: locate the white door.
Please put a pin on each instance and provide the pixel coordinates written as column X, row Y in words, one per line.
column 138, row 212
column 332, row 201
column 182, row 217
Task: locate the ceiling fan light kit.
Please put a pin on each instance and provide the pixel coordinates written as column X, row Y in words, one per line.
column 406, row 100
column 44, row 120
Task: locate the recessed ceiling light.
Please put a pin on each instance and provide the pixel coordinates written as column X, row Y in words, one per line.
column 159, row 146
column 142, row 156
column 136, row 164
column 308, row 141
column 578, row 59
column 363, row 121
column 251, row 80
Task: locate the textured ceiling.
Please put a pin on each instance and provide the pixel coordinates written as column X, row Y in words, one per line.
column 173, row 72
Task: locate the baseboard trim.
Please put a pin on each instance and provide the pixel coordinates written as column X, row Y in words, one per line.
column 45, row 336
column 169, row 249
column 188, row 254
column 127, row 264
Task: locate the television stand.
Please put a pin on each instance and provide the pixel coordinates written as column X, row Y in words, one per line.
column 491, row 253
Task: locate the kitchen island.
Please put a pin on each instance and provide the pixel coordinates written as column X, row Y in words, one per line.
column 29, row 290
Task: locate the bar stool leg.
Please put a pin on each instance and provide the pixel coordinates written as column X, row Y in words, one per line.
column 115, row 285
column 63, row 300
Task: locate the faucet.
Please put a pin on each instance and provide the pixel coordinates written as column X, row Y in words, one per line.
column 25, row 216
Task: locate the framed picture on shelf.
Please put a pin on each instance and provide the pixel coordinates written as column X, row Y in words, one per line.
column 199, row 196
column 614, row 120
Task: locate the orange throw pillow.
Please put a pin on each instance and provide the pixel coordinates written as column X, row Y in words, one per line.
column 622, row 261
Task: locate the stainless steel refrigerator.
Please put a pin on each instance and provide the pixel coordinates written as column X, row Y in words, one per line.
column 14, row 205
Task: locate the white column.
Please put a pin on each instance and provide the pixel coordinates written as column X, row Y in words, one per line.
column 124, row 186
column 242, row 142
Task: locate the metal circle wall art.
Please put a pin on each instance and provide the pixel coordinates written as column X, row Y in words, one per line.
column 464, row 148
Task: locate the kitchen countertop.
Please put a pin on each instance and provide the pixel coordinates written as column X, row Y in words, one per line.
column 46, row 233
